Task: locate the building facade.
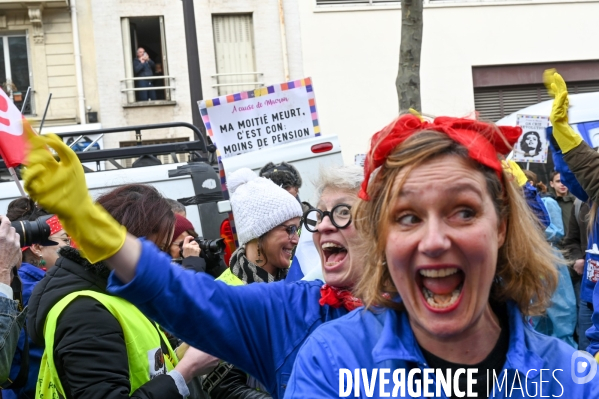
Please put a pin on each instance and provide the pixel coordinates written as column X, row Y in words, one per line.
column 85, row 53
column 484, row 56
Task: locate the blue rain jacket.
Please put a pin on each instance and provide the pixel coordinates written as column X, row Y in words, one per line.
column 257, row 327
column 560, row 319
column 365, row 340
column 555, row 231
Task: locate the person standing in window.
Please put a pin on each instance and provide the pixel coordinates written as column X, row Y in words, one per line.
column 144, row 66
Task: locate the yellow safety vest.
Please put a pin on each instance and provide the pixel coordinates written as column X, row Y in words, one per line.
column 229, row 278
column 142, row 337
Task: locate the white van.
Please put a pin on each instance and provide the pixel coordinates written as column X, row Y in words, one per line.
column 196, row 184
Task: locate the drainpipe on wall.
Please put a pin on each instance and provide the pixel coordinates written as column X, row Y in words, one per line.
column 78, row 67
column 283, row 40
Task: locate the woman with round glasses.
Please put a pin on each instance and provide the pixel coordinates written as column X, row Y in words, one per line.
column 257, row 327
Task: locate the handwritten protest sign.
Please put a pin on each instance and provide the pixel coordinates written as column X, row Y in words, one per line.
column 262, row 118
column 532, row 145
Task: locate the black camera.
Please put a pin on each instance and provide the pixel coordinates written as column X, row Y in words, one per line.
column 34, row 232
column 211, row 247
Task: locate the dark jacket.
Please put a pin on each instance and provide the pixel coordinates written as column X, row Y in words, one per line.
column 566, row 203
column 583, row 161
column 89, row 348
column 576, row 240
column 212, row 265
column 30, row 275
column 143, row 68
column 234, row 385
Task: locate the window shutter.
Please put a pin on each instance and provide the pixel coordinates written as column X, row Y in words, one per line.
column 493, row 103
column 234, row 49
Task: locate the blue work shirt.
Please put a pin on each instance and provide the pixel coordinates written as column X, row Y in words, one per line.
column 257, row 327
column 365, row 340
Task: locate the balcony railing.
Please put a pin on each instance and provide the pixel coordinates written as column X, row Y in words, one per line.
column 233, row 86
column 128, row 88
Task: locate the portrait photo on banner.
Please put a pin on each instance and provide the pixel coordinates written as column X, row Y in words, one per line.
column 532, row 145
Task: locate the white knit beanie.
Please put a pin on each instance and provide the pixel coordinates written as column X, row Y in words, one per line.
column 259, row 205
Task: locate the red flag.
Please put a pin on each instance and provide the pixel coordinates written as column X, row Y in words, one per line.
column 12, row 140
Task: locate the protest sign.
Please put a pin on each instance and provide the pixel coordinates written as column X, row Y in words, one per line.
column 532, row 145
column 359, row 160
column 261, row 118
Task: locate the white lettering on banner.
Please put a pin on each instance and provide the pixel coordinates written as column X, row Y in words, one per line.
column 263, row 118
column 430, row 382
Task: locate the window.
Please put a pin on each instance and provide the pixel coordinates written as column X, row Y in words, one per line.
column 14, row 69
column 146, row 67
column 234, row 49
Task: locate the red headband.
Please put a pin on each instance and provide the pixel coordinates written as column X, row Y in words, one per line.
column 483, row 141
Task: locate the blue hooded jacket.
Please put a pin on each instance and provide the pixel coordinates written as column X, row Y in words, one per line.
column 257, row 327
column 365, row 340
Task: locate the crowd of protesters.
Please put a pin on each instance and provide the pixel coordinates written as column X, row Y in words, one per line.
column 438, row 253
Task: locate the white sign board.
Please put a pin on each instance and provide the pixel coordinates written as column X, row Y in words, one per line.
column 532, row 145
column 359, row 159
column 262, row 118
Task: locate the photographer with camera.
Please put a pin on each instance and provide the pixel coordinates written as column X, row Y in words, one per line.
column 41, row 236
column 186, row 250
column 12, row 317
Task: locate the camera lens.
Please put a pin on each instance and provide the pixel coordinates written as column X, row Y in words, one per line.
column 211, row 246
column 34, row 232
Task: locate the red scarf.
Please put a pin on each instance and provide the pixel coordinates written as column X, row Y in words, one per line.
column 484, row 141
column 337, row 297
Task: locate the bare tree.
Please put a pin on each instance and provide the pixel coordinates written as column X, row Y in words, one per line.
column 408, row 75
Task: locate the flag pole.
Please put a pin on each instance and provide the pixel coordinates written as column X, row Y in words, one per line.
column 16, row 179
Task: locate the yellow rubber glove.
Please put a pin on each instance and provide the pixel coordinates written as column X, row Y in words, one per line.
column 60, row 188
column 514, row 169
column 566, row 137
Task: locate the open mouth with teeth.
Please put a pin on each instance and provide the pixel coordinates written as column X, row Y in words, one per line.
column 441, row 288
column 333, row 253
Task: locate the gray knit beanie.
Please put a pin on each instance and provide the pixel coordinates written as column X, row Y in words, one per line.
column 259, row 205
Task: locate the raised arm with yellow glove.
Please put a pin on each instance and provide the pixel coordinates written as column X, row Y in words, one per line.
column 60, row 188
column 566, row 137
column 514, row 169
